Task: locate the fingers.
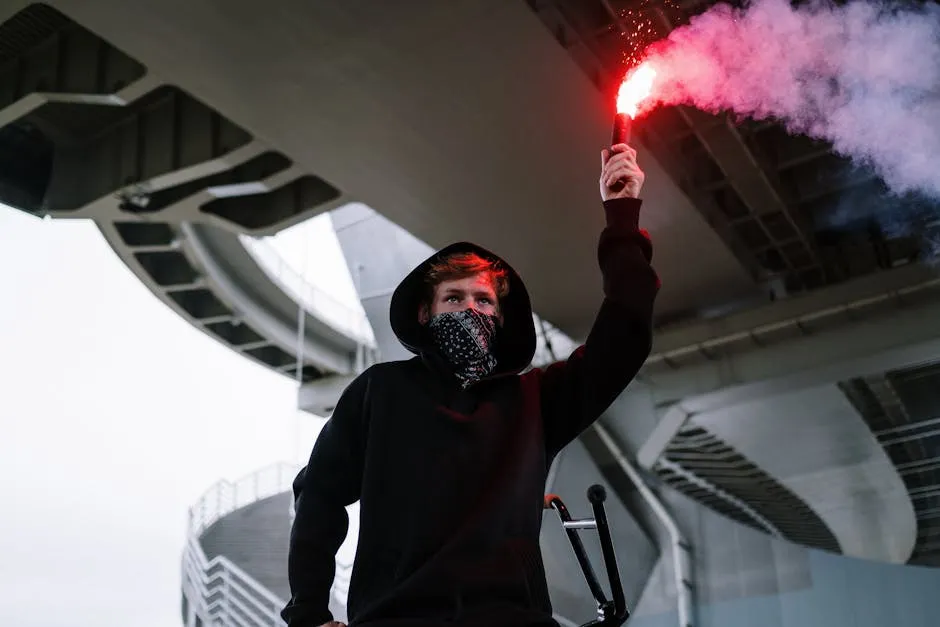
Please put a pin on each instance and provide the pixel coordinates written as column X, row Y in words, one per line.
column 621, row 166
column 619, row 152
column 628, row 177
column 634, row 174
column 621, row 148
column 619, row 162
column 607, row 153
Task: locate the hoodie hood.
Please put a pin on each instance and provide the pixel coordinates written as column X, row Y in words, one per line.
column 515, row 345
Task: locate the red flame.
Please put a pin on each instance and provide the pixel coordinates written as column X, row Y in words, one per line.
column 636, row 87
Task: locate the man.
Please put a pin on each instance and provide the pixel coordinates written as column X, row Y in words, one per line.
column 448, row 452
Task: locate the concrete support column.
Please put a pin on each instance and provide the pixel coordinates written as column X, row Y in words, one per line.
column 319, row 397
column 379, row 254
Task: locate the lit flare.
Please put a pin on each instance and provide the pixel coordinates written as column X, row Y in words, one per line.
column 636, row 87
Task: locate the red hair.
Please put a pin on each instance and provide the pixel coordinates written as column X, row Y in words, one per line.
column 463, row 265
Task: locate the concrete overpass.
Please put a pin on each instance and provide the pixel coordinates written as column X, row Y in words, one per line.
column 180, row 129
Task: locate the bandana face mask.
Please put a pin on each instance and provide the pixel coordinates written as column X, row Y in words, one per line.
column 466, row 339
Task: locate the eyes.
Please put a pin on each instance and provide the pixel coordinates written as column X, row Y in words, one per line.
column 453, row 299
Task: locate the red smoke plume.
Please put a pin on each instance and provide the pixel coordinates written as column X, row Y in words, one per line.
column 862, row 75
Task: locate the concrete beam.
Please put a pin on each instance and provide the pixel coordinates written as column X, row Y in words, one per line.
column 254, row 182
column 164, row 140
column 869, row 326
column 72, row 66
column 144, row 139
column 756, row 327
column 668, row 154
column 262, row 196
column 146, row 162
column 909, row 337
column 464, row 95
column 271, row 208
column 905, row 337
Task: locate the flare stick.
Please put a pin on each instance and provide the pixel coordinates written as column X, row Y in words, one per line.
column 621, row 135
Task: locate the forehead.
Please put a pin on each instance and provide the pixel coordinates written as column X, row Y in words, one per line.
column 481, row 282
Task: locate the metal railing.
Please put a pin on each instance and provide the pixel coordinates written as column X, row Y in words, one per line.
column 218, row 592
column 552, row 343
column 349, row 320
column 226, row 496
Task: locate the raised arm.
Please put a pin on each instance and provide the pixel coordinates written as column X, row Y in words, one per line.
column 322, row 491
column 575, row 392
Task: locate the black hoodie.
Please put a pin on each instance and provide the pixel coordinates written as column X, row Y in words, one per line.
column 450, row 480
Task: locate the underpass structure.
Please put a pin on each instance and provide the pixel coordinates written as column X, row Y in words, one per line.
column 173, row 186
column 190, row 132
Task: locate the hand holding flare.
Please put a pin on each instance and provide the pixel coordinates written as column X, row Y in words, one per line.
column 621, row 176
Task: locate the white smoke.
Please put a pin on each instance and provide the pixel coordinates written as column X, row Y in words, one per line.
column 864, row 76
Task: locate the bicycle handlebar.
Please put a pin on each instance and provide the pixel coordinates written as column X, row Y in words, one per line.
column 611, row 613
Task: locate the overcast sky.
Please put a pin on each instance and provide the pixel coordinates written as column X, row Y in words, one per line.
column 116, row 415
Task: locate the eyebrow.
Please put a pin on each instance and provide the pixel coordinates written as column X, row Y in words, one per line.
column 478, row 293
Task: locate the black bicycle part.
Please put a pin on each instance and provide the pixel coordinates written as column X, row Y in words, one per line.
column 610, row 612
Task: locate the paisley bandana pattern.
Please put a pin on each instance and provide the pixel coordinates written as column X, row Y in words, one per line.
column 465, row 339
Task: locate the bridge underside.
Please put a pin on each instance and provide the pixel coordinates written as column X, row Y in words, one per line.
column 472, row 119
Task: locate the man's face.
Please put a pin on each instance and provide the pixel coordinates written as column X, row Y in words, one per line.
column 473, row 292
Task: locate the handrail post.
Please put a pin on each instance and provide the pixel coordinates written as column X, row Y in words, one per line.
column 242, row 593
column 202, row 519
column 680, row 546
column 225, row 597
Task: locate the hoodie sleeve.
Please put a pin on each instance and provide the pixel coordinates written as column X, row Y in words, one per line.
column 330, row 481
column 575, row 392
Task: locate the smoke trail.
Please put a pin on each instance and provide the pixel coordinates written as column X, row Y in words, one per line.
column 863, row 76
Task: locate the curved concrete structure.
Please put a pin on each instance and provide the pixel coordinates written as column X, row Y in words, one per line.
column 170, row 183
column 461, row 120
column 228, row 295
column 743, row 578
column 870, row 512
column 400, row 106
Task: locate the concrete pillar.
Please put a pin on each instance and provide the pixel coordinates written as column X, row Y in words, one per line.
column 633, row 418
column 319, row 397
column 379, row 254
